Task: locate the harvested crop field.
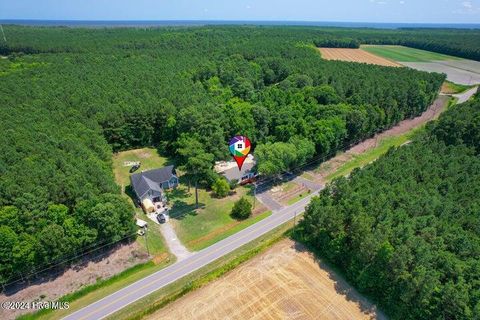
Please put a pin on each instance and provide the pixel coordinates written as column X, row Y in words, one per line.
column 285, row 282
column 355, row 55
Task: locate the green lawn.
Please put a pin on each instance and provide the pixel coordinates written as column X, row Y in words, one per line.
column 149, row 158
column 102, row 288
column 211, row 222
column 405, row 54
column 298, row 197
column 155, row 241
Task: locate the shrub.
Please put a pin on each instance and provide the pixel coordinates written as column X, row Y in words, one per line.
column 233, row 184
column 242, row 209
column 221, row 187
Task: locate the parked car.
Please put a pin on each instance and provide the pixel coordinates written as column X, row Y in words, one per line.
column 161, row 218
column 135, row 167
column 247, row 178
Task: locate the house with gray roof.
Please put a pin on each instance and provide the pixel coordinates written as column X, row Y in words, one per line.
column 152, row 183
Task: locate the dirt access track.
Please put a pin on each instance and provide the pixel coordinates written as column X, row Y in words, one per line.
column 285, row 282
column 355, row 55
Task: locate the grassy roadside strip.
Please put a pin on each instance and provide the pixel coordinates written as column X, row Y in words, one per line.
column 201, row 277
column 365, row 158
column 449, row 87
column 385, row 144
column 242, row 225
column 98, row 290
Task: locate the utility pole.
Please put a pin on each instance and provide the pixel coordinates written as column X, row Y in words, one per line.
column 254, row 193
column 294, row 221
column 146, row 240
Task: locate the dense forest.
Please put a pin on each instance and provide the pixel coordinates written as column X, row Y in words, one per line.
column 461, row 43
column 406, row 229
column 70, row 97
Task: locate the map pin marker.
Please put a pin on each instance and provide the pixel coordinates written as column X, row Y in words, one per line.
column 239, row 147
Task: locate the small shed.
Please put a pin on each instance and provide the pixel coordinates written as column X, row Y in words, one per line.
column 147, row 205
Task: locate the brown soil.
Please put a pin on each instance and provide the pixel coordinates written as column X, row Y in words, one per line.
column 84, row 273
column 447, row 89
column 285, row 282
column 356, row 55
column 283, row 196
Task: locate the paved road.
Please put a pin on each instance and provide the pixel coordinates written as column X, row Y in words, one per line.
column 462, row 97
column 162, row 278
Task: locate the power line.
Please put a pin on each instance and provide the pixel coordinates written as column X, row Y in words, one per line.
column 20, row 277
column 3, row 33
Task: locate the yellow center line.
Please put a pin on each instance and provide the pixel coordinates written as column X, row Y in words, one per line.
column 168, row 274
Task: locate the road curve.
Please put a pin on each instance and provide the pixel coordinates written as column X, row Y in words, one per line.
column 118, row 300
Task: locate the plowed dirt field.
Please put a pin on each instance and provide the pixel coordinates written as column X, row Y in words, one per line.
column 355, row 55
column 285, row 282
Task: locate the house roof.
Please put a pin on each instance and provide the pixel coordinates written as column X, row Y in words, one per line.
column 235, row 174
column 150, row 180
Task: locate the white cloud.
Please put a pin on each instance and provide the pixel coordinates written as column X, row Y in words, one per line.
column 402, row 2
column 467, row 7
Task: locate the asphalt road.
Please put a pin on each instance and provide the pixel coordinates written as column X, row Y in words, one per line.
column 162, row 278
column 462, row 97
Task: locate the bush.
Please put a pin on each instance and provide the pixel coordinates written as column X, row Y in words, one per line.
column 233, row 184
column 221, row 187
column 242, row 209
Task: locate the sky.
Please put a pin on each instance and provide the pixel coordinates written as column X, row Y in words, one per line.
column 394, row 11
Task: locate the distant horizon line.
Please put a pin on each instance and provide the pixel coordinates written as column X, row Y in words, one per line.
column 77, row 23
column 230, row 20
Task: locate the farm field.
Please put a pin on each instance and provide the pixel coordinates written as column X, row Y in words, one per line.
column 356, row 55
column 459, row 71
column 405, row 54
column 285, row 282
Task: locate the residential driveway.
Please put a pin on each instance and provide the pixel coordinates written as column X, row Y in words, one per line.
column 264, row 197
column 173, row 243
column 125, row 296
column 313, row 186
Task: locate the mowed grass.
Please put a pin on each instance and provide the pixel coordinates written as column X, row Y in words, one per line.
column 148, row 157
column 102, row 288
column 369, row 156
column 405, row 54
column 199, row 228
column 214, row 270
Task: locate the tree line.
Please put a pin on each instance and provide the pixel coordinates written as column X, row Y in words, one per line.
column 81, row 94
column 406, row 229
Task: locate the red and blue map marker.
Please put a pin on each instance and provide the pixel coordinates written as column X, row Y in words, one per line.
column 239, row 148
